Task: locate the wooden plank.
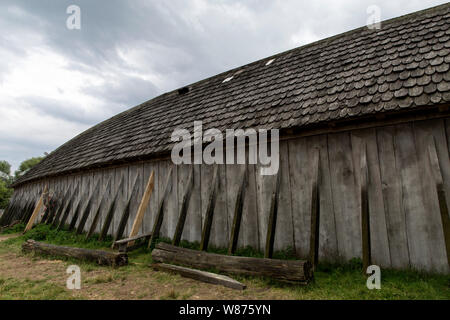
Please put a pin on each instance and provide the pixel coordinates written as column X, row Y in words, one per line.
column 297, row 271
column 365, row 142
column 67, row 209
column 392, row 199
column 84, row 194
column 160, row 213
column 443, row 206
column 238, row 207
column 365, row 213
column 120, row 173
column 270, row 238
column 193, row 229
column 98, row 211
column 87, row 209
column 61, row 206
column 199, row 275
column 413, row 200
column 36, row 211
column 315, row 212
column 184, row 209
column 143, row 206
column 126, row 211
column 209, row 215
column 111, row 211
column 150, row 215
column 345, row 196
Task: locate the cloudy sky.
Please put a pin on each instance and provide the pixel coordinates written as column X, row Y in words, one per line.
column 56, row 82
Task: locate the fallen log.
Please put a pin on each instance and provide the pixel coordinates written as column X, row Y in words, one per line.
column 199, row 275
column 294, row 271
column 100, row 257
column 140, row 241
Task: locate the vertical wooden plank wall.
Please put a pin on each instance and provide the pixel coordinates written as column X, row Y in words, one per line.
column 405, row 223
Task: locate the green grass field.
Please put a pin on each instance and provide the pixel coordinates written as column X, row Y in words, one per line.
column 138, row 281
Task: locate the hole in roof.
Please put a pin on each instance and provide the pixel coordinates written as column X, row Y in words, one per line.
column 227, row 79
column 183, row 90
column 270, row 62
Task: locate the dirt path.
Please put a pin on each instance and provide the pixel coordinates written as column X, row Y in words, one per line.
column 131, row 282
column 9, row 236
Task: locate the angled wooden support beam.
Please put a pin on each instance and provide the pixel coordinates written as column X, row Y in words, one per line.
column 126, row 212
column 209, row 215
column 440, row 188
column 36, row 211
column 87, row 209
column 77, row 210
column 160, row 214
column 272, row 223
column 365, row 214
column 315, row 212
column 98, row 211
column 238, row 208
column 62, row 222
column 142, row 207
column 28, row 210
column 184, row 209
column 11, row 210
column 54, row 220
column 111, row 211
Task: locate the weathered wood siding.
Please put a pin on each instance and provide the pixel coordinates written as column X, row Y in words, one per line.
column 405, row 221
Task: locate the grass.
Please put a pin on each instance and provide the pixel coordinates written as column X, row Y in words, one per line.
column 331, row 281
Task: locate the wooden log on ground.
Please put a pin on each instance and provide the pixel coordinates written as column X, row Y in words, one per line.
column 122, row 245
column 199, row 275
column 294, row 271
column 100, row 257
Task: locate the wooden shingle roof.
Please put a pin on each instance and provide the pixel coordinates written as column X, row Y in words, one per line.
column 402, row 66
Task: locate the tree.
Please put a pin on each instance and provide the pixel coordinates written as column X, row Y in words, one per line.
column 27, row 165
column 5, row 180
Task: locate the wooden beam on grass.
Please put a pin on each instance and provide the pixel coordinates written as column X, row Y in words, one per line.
column 270, row 238
column 126, row 212
column 110, row 212
column 440, row 188
column 160, row 214
column 238, row 208
column 315, row 212
column 184, row 209
column 209, row 215
column 365, row 215
column 36, row 211
column 101, row 205
column 199, row 275
column 294, row 271
column 142, row 207
column 87, row 209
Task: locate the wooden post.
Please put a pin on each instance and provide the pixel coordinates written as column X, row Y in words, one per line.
column 110, row 214
column 365, row 215
column 68, row 207
column 126, row 211
column 98, row 211
column 238, row 214
column 443, row 206
column 87, row 209
column 184, row 208
column 315, row 213
column 36, row 211
column 142, row 207
column 160, row 214
column 206, row 232
column 270, row 238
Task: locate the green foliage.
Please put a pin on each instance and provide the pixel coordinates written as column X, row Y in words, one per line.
column 5, row 167
column 27, row 165
column 5, row 194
